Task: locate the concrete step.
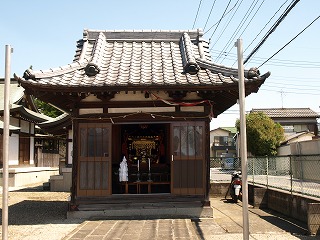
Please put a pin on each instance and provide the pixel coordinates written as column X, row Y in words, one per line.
column 146, row 211
column 148, row 207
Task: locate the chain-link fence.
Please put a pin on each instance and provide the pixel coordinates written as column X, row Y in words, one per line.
column 297, row 174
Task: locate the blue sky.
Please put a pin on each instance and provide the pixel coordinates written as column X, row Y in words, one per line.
column 44, row 34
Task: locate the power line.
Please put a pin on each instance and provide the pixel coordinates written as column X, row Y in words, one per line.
column 253, row 4
column 221, row 18
column 274, row 62
column 290, row 41
column 287, row 86
column 297, row 93
column 290, row 84
column 228, row 21
column 209, row 14
column 265, row 25
column 197, row 14
column 272, row 29
column 218, row 21
column 298, row 79
column 248, row 23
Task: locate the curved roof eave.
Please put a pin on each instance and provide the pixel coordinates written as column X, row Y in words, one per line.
column 28, row 114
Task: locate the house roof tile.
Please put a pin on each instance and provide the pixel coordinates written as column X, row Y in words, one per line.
column 139, row 59
column 288, row 112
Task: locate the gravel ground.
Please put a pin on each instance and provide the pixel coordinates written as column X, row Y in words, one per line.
column 38, row 214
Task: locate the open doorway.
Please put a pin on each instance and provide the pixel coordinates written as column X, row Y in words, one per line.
column 146, row 149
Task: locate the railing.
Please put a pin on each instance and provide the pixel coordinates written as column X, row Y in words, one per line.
column 296, row 174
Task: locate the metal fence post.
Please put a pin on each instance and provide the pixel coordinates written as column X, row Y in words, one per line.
column 267, row 171
column 291, row 173
column 253, row 166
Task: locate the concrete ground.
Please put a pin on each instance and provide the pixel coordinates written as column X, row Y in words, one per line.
column 37, row 214
column 226, row 224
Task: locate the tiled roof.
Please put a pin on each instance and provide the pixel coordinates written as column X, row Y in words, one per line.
column 230, row 129
column 16, row 93
column 11, row 128
column 288, row 112
column 294, row 136
column 122, row 59
column 29, row 114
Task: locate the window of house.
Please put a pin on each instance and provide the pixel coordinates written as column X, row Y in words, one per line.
column 288, row 128
column 50, row 146
column 223, row 141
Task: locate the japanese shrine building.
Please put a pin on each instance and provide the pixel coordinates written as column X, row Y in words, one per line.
column 145, row 95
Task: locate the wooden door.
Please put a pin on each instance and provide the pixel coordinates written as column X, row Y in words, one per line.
column 94, row 166
column 24, row 149
column 188, row 158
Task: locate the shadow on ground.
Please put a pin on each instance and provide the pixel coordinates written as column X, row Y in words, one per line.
column 33, row 206
column 36, row 212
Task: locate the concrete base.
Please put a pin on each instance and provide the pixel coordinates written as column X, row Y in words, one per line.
column 138, row 211
column 314, row 218
column 258, row 196
column 19, row 177
column 61, row 183
column 219, row 189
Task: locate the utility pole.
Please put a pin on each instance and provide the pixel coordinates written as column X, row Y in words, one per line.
column 243, row 141
column 6, row 119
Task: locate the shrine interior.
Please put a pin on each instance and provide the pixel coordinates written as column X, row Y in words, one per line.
column 145, row 147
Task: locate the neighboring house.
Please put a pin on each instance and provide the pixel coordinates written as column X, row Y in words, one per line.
column 148, row 96
column 293, row 120
column 222, row 142
column 292, row 140
column 31, row 156
column 299, row 124
column 52, row 142
column 23, row 120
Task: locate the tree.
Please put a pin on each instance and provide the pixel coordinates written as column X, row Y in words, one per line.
column 263, row 134
column 47, row 109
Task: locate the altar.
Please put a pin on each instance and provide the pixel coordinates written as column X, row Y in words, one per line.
column 139, row 187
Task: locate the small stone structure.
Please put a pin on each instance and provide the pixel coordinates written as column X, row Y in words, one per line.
column 19, row 177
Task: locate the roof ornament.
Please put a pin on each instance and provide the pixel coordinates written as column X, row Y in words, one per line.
column 253, row 72
column 28, row 74
column 91, row 69
column 188, row 58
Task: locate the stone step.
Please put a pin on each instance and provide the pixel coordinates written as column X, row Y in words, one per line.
column 182, row 210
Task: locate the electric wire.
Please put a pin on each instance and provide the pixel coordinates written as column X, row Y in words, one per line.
column 287, row 86
column 265, row 26
column 273, row 62
column 290, row 41
column 272, row 29
column 223, row 15
column 209, row 15
column 227, row 24
column 246, row 25
column 290, row 92
column 195, row 19
column 215, row 24
column 254, row 3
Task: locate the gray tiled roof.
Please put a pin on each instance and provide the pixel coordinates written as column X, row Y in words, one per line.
column 16, row 93
column 288, row 112
column 121, row 59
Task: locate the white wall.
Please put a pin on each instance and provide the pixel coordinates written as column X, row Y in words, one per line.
column 70, row 147
column 31, row 161
column 284, row 150
column 306, row 147
column 25, row 126
column 14, row 149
